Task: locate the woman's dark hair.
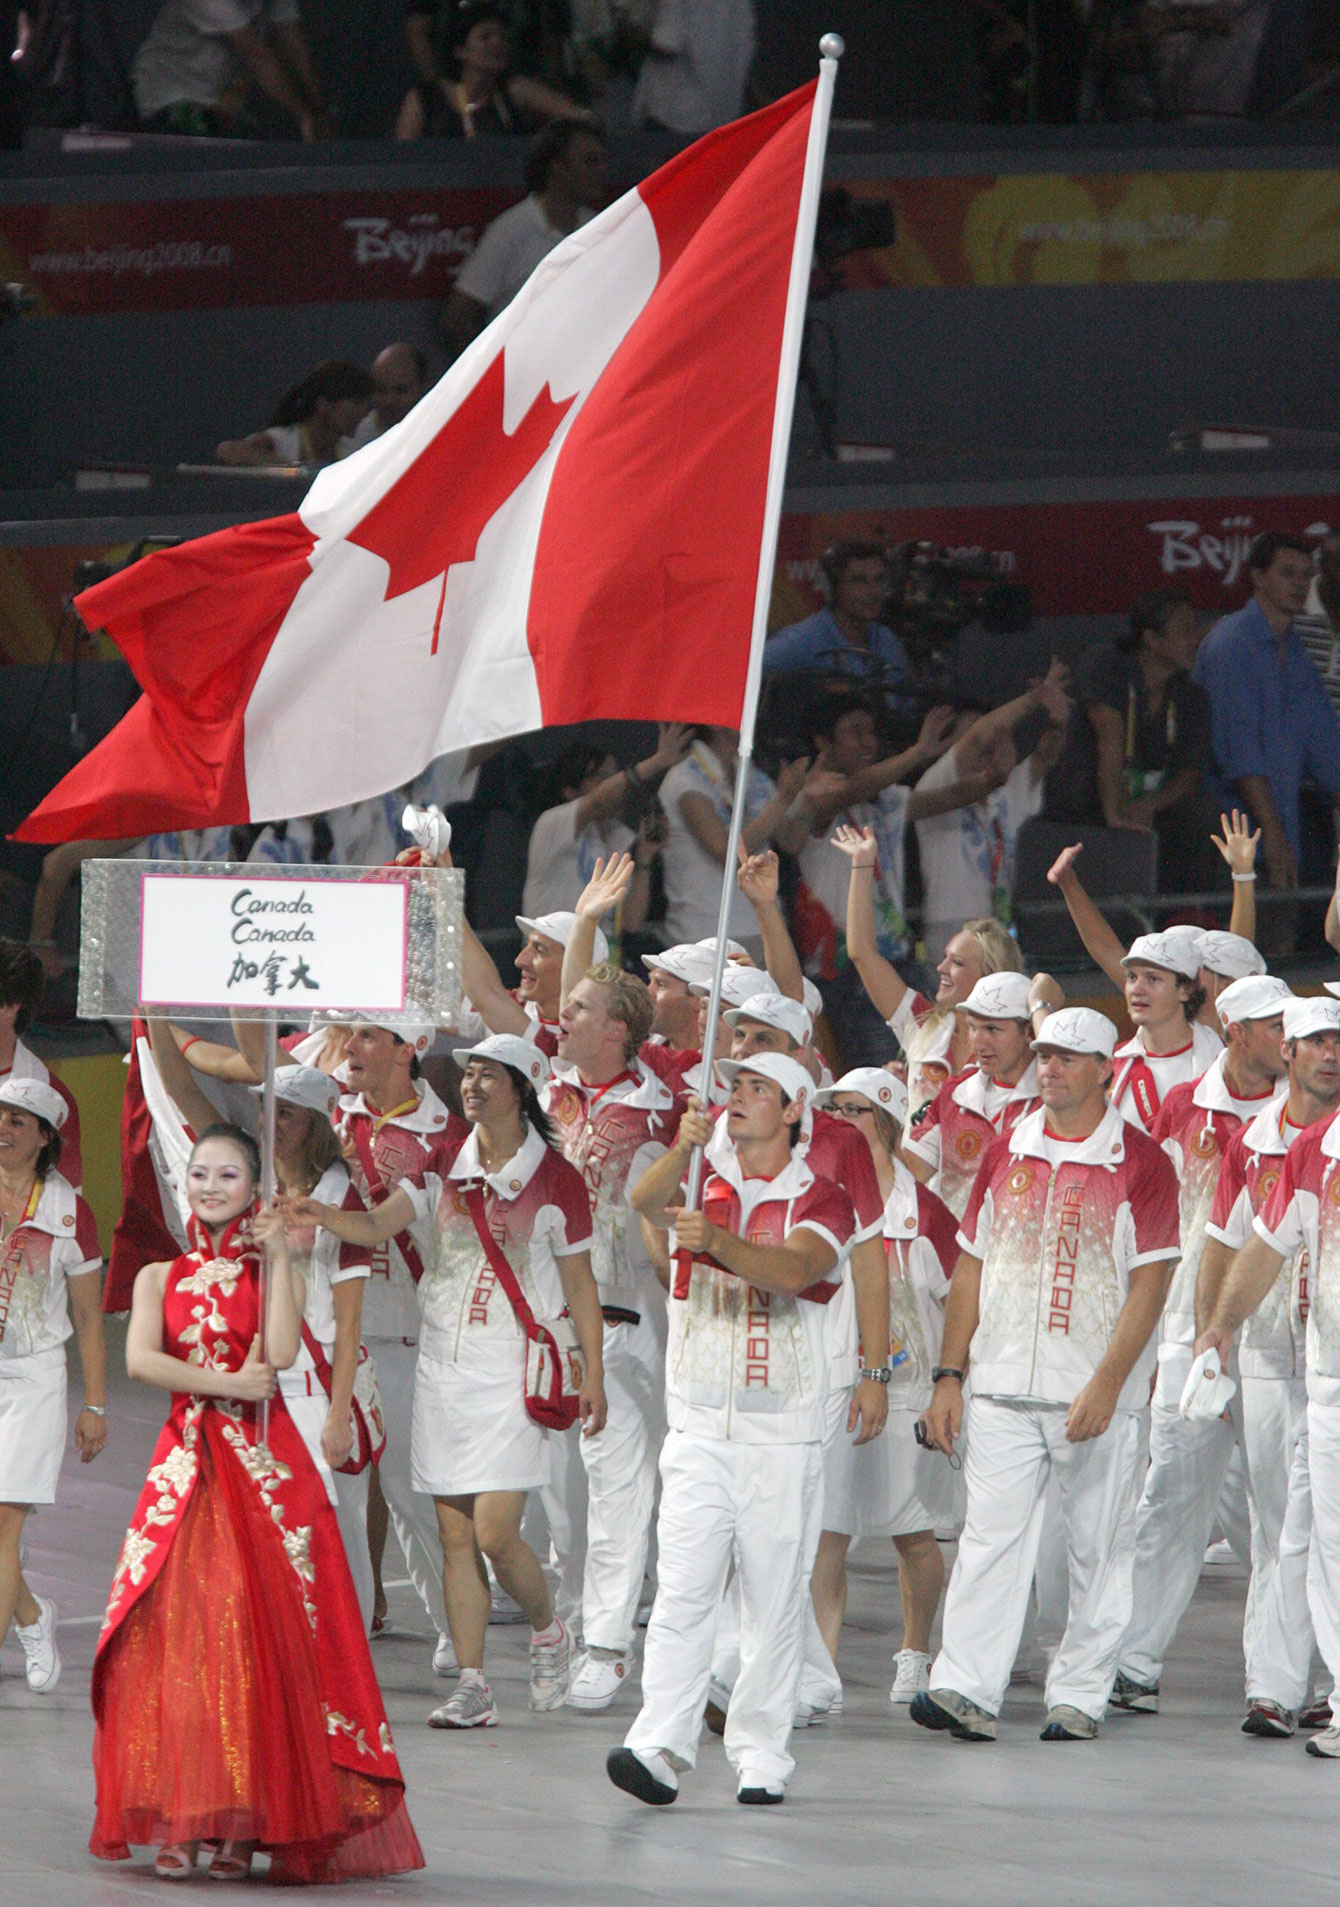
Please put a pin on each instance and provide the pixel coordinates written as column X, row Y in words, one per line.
column 550, row 145
column 334, row 380
column 456, row 21
column 49, row 1157
column 20, row 980
column 1149, row 615
column 235, row 1136
column 528, row 1102
column 571, row 767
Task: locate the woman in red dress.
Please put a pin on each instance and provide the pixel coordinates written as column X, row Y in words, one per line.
column 233, row 1690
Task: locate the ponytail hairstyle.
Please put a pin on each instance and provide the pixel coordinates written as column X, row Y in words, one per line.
column 528, row 1105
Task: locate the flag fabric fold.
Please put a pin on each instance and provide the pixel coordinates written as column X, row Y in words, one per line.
column 568, row 526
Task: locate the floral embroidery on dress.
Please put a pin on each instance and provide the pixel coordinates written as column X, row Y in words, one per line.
column 337, row 1724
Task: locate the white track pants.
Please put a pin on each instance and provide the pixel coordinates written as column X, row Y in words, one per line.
column 1279, row 1661
column 721, row 1501
column 413, row 1515
column 309, row 1413
column 1013, row 1450
column 820, row 1683
column 620, row 1469
column 1188, row 1461
column 1323, row 1566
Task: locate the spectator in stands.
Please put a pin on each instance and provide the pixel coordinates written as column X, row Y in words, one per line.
column 1138, row 749
column 1273, row 721
column 1204, row 55
column 399, row 380
column 1319, row 625
column 694, row 74
column 565, row 185
column 467, row 85
column 313, row 424
column 844, row 638
column 191, row 70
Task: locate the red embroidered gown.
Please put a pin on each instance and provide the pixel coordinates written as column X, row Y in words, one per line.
column 233, row 1690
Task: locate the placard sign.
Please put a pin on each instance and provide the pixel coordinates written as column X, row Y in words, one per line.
column 237, row 941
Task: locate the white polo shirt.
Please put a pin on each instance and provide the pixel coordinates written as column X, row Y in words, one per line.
column 1273, row 1341
column 1303, row 1214
column 56, row 1240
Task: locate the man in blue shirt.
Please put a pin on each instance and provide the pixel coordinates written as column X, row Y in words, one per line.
column 845, row 639
column 1273, row 723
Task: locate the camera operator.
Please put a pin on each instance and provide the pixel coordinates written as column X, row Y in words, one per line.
column 845, row 638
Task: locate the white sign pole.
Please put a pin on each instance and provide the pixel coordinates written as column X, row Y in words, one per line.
column 268, row 1184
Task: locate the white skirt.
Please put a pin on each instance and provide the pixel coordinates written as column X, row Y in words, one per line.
column 32, row 1425
column 888, row 1487
column 470, row 1431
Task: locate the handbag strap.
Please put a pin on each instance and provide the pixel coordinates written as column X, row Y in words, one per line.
column 377, row 1188
column 497, row 1257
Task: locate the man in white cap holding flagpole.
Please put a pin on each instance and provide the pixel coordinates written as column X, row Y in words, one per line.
column 1188, row 1460
column 1067, row 1245
column 391, row 1121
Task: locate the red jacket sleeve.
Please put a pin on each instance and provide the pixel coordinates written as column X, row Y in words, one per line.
column 937, row 1225
column 1152, row 1189
column 1232, row 1178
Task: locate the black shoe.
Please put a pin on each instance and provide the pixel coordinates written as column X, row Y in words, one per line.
column 946, row 1708
column 761, row 1797
column 626, row 1771
column 715, row 1717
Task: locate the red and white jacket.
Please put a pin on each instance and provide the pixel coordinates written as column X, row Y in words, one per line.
column 953, row 1130
column 1195, row 1124
column 1303, row 1214
column 26, row 1065
column 743, row 1365
column 1273, row 1340
column 611, row 1134
column 1141, row 1081
column 54, row 1241
column 537, row 1209
column 921, row 1243
column 401, row 1143
column 1059, row 1226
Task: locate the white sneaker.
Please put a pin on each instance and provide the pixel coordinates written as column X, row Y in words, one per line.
column 912, row 1674
column 39, row 1647
column 444, row 1657
column 550, row 1669
column 471, row 1706
column 598, row 1678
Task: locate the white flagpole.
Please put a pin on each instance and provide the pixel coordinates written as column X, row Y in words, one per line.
column 267, row 1193
column 793, row 331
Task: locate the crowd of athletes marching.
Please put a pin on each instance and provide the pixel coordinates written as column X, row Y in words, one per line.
column 1072, row 1299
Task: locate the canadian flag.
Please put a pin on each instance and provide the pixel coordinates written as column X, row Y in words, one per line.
column 569, row 525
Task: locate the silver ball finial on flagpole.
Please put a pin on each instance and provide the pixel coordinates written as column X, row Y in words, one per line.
column 832, row 46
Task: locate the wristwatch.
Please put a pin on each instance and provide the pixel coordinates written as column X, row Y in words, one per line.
column 878, row 1373
column 946, row 1370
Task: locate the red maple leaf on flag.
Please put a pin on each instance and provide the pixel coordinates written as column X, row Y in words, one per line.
column 434, row 514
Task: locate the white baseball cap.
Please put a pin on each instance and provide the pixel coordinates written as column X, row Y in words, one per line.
column 738, row 984
column 509, row 1049
column 775, row 1009
column 1310, row 1015
column 419, row 1034
column 1177, row 949
column 881, row 1088
column 811, row 998
column 1078, row 1029
column 790, row 1075
column 559, row 927
column 734, row 951
column 1000, row 996
column 1230, row 954
column 305, row 1086
column 687, row 962
column 35, row 1096
column 1260, row 996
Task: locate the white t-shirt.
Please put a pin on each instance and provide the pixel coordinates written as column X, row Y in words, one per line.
column 54, row 1241
column 186, row 56
column 560, row 861
column 693, row 876
column 705, row 49
column 967, row 855
column 826, row 872
column 508, row 253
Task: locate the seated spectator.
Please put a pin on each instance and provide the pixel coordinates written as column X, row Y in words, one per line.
column 585, row 825
column 467, row 85
column 698, row 797
column 844, row 638
column 313, row 424
column 694, row 74
column 565, row 184
column 191, row 70
column 1204, row 55
column 1139, row 745
column 1319, row 625
column 967, row 852
column 399, row 380
column 1273, row 722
